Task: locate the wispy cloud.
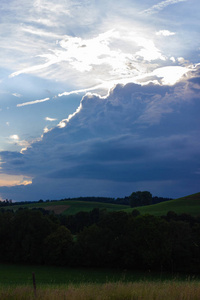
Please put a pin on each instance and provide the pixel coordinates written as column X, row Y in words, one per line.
column 107, row 57
column 99, row 86
column 50, row 119
column 34, row 68
column 17, row 95
column 33, row 102
column 160, row 6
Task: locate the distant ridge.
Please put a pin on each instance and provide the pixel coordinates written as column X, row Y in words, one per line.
column 188, row 204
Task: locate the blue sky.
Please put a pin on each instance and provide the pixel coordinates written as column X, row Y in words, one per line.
column 99, row 98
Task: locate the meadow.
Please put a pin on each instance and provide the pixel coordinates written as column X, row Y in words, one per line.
column 56, row 283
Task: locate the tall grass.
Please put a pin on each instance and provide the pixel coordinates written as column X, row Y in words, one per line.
column 168, row 290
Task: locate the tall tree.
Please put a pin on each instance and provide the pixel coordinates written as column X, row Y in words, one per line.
column 140, row 198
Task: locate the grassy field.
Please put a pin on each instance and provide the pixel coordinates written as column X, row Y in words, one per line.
column 22, row 275
column 146, row 290
column 92, row 284
column 189, row 204
column 70, row 207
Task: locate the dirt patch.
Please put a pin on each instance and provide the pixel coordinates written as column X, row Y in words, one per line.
column 58, row 209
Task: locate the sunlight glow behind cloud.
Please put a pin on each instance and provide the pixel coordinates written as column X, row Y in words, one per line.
column 14, row 180
column 117, row 89
column 100, row 58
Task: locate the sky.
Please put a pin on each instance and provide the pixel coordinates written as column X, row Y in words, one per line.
column 99, row 98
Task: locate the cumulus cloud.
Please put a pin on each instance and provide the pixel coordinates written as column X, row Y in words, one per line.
column 165, row 33
column 134, row 135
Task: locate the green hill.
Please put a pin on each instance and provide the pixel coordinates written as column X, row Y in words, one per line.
column 189, row 204
column 69, row 207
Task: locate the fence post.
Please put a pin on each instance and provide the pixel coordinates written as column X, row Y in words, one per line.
column 34, row 284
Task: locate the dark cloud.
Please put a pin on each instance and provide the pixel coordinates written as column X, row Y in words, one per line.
column 138, row 137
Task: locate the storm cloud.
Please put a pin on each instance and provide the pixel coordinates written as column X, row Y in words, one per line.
column 137, row 137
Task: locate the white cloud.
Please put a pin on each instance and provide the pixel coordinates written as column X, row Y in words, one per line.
column 149, row 51
column 33, row 102
column 171, row 75
column 108, row 57
column 173, row 59
column 64, row 122
column 17, row 95
column 160, row 6
column 165, row 33
column 35, row 68
column 46, row 129
column 14, row 137
column 50, row 119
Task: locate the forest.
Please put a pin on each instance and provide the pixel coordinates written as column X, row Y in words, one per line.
column 101, row 239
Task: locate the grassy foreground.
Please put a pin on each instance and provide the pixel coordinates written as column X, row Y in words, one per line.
column 169, row 290
column 57, row 283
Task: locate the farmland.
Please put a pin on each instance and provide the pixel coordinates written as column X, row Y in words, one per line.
column 70, row 207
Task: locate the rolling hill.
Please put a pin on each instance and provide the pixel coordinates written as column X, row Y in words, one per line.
column 69, row 207
column 189, row 204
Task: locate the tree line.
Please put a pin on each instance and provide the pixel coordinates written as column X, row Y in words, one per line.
column 101, row 239
column 135, row 199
